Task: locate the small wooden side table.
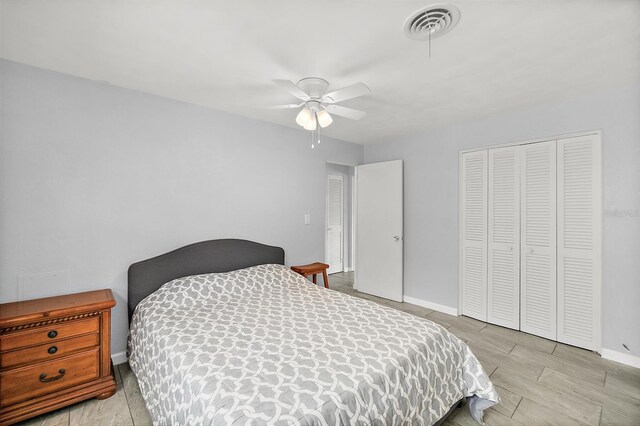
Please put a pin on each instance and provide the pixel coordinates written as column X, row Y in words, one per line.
column 313, row 269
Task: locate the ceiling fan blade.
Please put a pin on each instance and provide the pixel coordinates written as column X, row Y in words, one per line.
column 285, row 106
column 345, row 112
column 290, row 87
column 349, row 92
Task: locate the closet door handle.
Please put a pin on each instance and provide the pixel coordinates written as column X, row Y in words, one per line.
column 530, row 251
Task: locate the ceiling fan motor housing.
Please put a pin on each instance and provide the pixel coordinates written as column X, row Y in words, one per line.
column 314, row 86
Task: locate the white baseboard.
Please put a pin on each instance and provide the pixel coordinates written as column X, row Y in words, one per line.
column 348, row 269
column 119, row 358
column 430, row 305
column 622, row 358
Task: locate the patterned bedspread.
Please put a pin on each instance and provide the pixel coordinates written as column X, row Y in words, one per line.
column 263, row 346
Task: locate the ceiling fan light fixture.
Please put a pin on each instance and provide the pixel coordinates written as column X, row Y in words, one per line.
column 304, row 117
column 312, row 91
column 311, row 124
column 324, row 119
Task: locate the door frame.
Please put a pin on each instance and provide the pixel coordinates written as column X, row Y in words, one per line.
column 534, row 140
column 326, row 221
column 354, row 224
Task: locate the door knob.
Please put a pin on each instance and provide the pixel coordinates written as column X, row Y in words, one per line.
column 530, row 251
column 396, row 238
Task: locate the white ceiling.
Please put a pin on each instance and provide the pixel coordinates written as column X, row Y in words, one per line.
column 224, row 53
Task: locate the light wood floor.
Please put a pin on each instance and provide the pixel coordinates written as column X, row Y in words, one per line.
column 126, row 407
column 541, row 382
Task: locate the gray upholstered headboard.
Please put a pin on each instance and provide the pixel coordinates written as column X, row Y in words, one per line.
column 205, row 257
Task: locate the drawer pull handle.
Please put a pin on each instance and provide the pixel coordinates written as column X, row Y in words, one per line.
column 52, row 334
column 43, row 376
column 52, row 350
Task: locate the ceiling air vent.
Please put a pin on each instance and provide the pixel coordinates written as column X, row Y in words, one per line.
column 431, row 22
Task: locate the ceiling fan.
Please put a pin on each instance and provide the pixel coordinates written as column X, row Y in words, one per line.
column 318, row 105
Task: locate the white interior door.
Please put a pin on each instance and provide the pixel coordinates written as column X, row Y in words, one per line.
column 503, row 307
column 538, row 240
column 579, row 241
column 473, row 225
column 335, row 224
column 379, row 221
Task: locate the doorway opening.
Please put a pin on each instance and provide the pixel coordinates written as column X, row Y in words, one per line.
column 339, row 221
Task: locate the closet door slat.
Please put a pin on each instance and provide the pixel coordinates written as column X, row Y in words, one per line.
column 538, row 239
column 473, row 200
column 504, row 238
column 579, row 241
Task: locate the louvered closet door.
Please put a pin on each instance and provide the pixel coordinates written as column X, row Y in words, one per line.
column 503, row 307
column 579, row 241
column 473, row 202
column 538, row 240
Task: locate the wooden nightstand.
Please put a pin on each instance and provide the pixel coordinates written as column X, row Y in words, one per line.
column 54, row 352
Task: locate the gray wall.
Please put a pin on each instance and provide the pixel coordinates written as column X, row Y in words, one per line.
column 94, row 177
column 431, row 198
column 347, row 172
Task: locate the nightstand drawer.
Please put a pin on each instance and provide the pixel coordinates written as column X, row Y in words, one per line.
column 51, row 350
column 21, row 384
column 48, row 334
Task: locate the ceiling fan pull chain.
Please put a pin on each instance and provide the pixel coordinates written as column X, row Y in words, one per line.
column 318, row 127
column 312, row 140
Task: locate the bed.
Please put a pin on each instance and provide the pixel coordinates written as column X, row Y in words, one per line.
column 221, row 332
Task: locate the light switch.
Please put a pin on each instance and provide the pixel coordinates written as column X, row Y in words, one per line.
column 307, row 218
